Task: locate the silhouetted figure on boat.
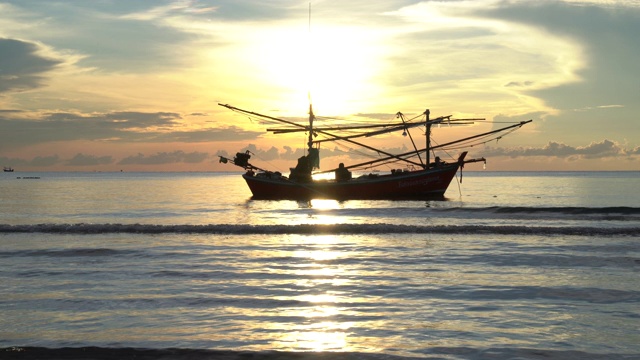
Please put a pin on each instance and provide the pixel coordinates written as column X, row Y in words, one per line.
column 302, row 171
column 342, row 173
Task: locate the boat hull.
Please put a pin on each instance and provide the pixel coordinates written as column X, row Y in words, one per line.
column 421, row 184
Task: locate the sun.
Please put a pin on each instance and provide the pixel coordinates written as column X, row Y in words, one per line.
column 334, row 67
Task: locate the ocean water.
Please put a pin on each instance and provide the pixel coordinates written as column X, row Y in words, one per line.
column 509, row 266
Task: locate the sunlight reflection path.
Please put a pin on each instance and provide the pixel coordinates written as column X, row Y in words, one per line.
column 320, row 271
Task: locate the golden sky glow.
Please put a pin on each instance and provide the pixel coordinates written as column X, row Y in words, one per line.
column 107, row 86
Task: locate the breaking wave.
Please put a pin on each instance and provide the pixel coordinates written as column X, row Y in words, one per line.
column 622, row 210
column 565, row 210
column 315, row 229
column 383, row 210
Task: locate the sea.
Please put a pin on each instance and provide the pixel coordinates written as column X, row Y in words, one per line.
column 510, row 265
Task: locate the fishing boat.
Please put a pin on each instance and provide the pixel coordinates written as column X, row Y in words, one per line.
column 7, row 169
column 423, row 175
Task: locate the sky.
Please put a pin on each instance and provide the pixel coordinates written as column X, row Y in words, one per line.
column 111, row 85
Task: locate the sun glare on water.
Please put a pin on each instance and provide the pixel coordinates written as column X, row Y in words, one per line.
column 318, row 275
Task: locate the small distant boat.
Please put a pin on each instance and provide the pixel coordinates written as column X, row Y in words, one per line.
column 423, row 177
column 7, row 169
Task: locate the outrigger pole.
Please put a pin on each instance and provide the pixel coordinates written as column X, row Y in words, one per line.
column 391, row 127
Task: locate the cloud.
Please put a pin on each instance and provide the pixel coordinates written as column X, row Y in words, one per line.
column 231, row 133
column 89, row 160
column 44, row 161
column 116, row 120
column 99, row 31
column 595, row 150
column 290, row 154
column 520, row 84
column 618, row 4
column 174, row 8
column 165, row 158
column 23, row 65
column 6, row 161
column 128, row 126
column 54, row 127
column 605, row 33
column 79, row 159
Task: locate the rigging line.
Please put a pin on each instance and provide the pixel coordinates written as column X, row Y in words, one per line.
column 468, row 145
column 459, row 188
column 446, row 149
column 362, row 118
column 352, row 122
column 356, row 151
column 471, row 142
column 443, row 150
column 379, row 151
column 419, row 116
column 382, row 164
column 514, row 126
column 463, row 145
column 320, row 132
column 411, row 137
column 393, row 128
column 502, row 122
column 412, row 153
column 367, row 125
column 334, row 128
column 268, row 162
column 367, row 121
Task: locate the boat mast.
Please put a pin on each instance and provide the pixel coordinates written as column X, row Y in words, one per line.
column 311, row 116
column 428, row 136
column 313, row 155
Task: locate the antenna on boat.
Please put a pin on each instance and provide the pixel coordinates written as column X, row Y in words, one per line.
column 309, row 17
column 309, row 55
column 312, row 153
column 309, row 84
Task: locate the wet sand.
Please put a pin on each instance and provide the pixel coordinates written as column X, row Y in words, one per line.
column 101, row 353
